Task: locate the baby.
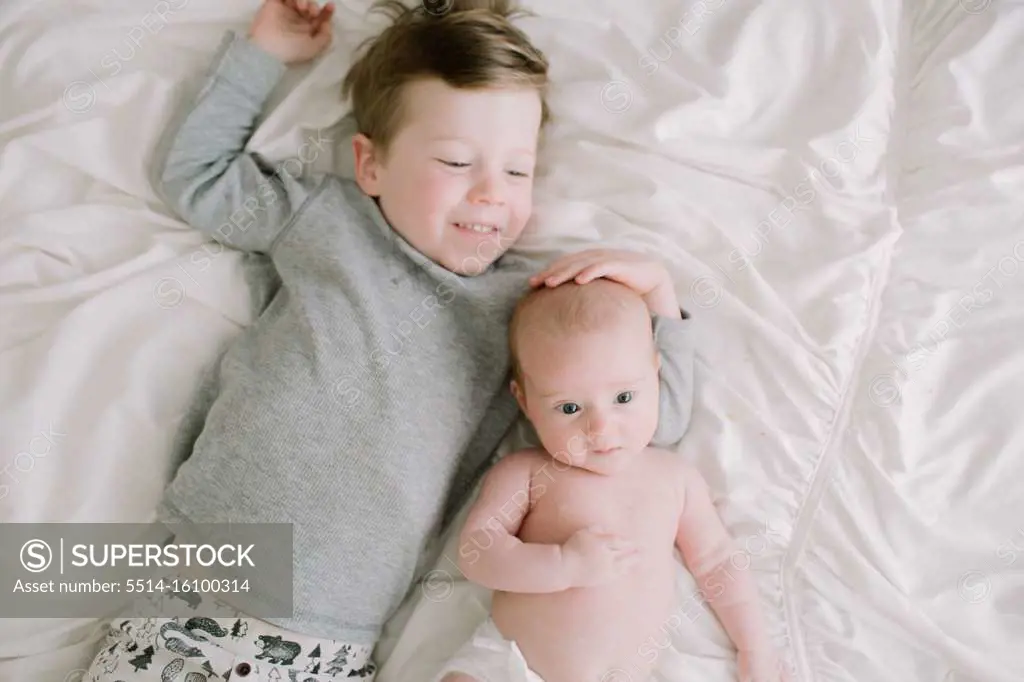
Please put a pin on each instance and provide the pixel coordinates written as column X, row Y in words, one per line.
column 577, row 541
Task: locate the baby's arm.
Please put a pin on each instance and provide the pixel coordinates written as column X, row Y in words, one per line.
column 674, row 338
column 706, row 548
column 207, row 177
column 490, row 554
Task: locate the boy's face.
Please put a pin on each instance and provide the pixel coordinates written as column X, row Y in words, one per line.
column 592, row 397
column 457, row 181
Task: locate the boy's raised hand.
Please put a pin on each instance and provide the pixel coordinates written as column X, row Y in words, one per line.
column 645, row 275
column 294, row 31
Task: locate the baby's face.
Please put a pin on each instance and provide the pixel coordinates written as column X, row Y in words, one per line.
column 457, row 182
column 592, row 396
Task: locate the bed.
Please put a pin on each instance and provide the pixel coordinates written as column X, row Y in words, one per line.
column 838, row 189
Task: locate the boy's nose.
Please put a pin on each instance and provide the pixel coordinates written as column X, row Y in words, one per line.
column 487, row 190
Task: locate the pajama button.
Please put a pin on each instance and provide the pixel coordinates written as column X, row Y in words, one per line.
column 243, row 669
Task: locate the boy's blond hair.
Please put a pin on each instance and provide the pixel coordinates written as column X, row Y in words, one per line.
column 471, row 44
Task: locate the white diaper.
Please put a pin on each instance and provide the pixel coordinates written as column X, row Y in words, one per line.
column 489, row 657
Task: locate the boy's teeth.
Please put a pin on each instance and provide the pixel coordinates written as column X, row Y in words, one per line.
column 476, row 227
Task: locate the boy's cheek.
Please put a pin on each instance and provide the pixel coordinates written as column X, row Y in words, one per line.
column 420, row 190
column 441, row 187
column 523, row 216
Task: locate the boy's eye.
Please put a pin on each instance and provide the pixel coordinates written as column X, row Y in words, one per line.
column 569, row 408
column 518, row 174
column 453, row 164
column 624, row 397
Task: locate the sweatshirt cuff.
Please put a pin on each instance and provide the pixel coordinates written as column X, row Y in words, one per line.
column 247, row 67
column 673, row 335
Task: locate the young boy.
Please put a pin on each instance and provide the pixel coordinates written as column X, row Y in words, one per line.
column 370, row 394
column 577, row 537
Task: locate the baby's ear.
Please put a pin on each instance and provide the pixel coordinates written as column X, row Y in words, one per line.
column 517, row 391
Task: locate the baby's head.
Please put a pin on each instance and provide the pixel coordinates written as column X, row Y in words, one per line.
column 585, row 372
column 449, row 106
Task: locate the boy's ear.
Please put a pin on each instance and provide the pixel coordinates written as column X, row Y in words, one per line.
column 367, row 164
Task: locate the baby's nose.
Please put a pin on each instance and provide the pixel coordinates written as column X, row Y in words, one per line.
column 597, row 431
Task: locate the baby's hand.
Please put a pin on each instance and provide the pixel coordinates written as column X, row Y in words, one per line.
column 761, row 666
column 294, row 31
column 643, row 274
column 593, row 557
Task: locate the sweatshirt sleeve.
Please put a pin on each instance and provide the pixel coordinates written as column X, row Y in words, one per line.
column 674, row 338
column 208, row 178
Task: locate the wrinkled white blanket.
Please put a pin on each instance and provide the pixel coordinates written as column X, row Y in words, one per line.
column 837, row 188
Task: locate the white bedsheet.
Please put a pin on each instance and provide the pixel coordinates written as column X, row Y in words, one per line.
column 837, row 187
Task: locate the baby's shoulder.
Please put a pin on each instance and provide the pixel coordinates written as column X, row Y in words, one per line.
column 527, row 460
column 672, row 468
column 528, row 457
column 666, row 460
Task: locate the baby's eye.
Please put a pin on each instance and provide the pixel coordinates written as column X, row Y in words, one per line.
column 518, row 174
column 453, row 164
column 624, row 397
column 569, row 408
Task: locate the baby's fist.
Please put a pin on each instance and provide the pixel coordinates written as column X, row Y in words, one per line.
column 761, row 666
column 593, row 557
column 294, row 31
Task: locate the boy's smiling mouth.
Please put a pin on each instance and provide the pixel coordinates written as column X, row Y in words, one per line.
column 480, row 228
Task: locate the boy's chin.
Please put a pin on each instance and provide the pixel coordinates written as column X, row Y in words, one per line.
column 465, row 265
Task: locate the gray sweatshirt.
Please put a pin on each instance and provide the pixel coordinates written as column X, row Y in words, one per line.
column 372, row 391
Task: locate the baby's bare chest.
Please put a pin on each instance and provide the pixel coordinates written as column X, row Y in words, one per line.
column 642, row 505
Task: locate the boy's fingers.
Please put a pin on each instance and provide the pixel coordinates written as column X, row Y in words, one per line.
column 320, row 29
column 324, row 18
column 555, row 277
column 559, row 264
column 567, row 259
column 569, row 270
column 549, row 272
column 593, row 272
column 570, row 266
column 577, row 269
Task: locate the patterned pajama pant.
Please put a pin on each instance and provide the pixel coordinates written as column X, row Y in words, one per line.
column 230, row 646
